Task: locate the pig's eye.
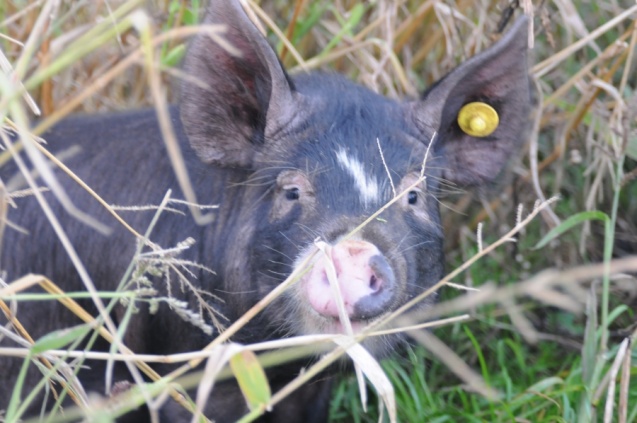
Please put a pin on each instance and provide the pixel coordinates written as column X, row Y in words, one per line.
column 292, row 194
column 412, row 197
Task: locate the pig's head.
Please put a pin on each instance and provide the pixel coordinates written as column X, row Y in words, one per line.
column 322, row 154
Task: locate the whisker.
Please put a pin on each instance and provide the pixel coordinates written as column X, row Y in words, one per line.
column 291, row 242
column 279, row 252
column 414, row 246
column 313, row 233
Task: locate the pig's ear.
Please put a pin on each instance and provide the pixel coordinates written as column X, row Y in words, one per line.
column 232, row 100
column 476, row 141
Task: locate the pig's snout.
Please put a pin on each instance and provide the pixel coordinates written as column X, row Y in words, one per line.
column 364, row 276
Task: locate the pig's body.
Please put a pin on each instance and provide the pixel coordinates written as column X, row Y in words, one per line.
column 149, row 176
column 288, row 161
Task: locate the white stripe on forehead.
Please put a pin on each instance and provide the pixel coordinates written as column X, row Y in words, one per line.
column 366, row 184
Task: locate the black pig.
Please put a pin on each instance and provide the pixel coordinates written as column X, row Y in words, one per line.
column 288, row 160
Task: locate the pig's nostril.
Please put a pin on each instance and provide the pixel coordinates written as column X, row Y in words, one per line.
column 381, row 270
column 375, row 284
column 379, row 292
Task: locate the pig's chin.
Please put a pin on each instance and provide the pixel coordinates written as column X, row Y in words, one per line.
column 379, row 346
column 334, row 326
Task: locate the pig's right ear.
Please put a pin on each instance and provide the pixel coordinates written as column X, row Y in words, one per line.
column 234, row 100
column 480, row 111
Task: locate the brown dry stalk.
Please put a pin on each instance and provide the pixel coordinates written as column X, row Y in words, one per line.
column 300, row 4
column 46, row 90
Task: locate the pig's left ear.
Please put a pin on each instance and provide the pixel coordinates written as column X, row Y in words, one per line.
column 480, row 110
column 234, row 98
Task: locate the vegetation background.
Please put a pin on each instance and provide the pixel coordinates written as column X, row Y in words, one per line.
column 549, row 332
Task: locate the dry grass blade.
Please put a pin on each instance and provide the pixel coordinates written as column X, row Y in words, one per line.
column 4, row 205
column 375, row 374
column 286, row 42
column 217, row 360
column 167, row 130
column 612, row 379
column 5, row 66
column 343, row 316
column 625, row 381
column 549, row 281
column 455, row 363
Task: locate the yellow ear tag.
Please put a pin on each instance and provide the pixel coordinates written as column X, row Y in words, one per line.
column 478, row 119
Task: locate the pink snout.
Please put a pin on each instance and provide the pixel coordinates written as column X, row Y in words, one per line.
column 364, row 276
